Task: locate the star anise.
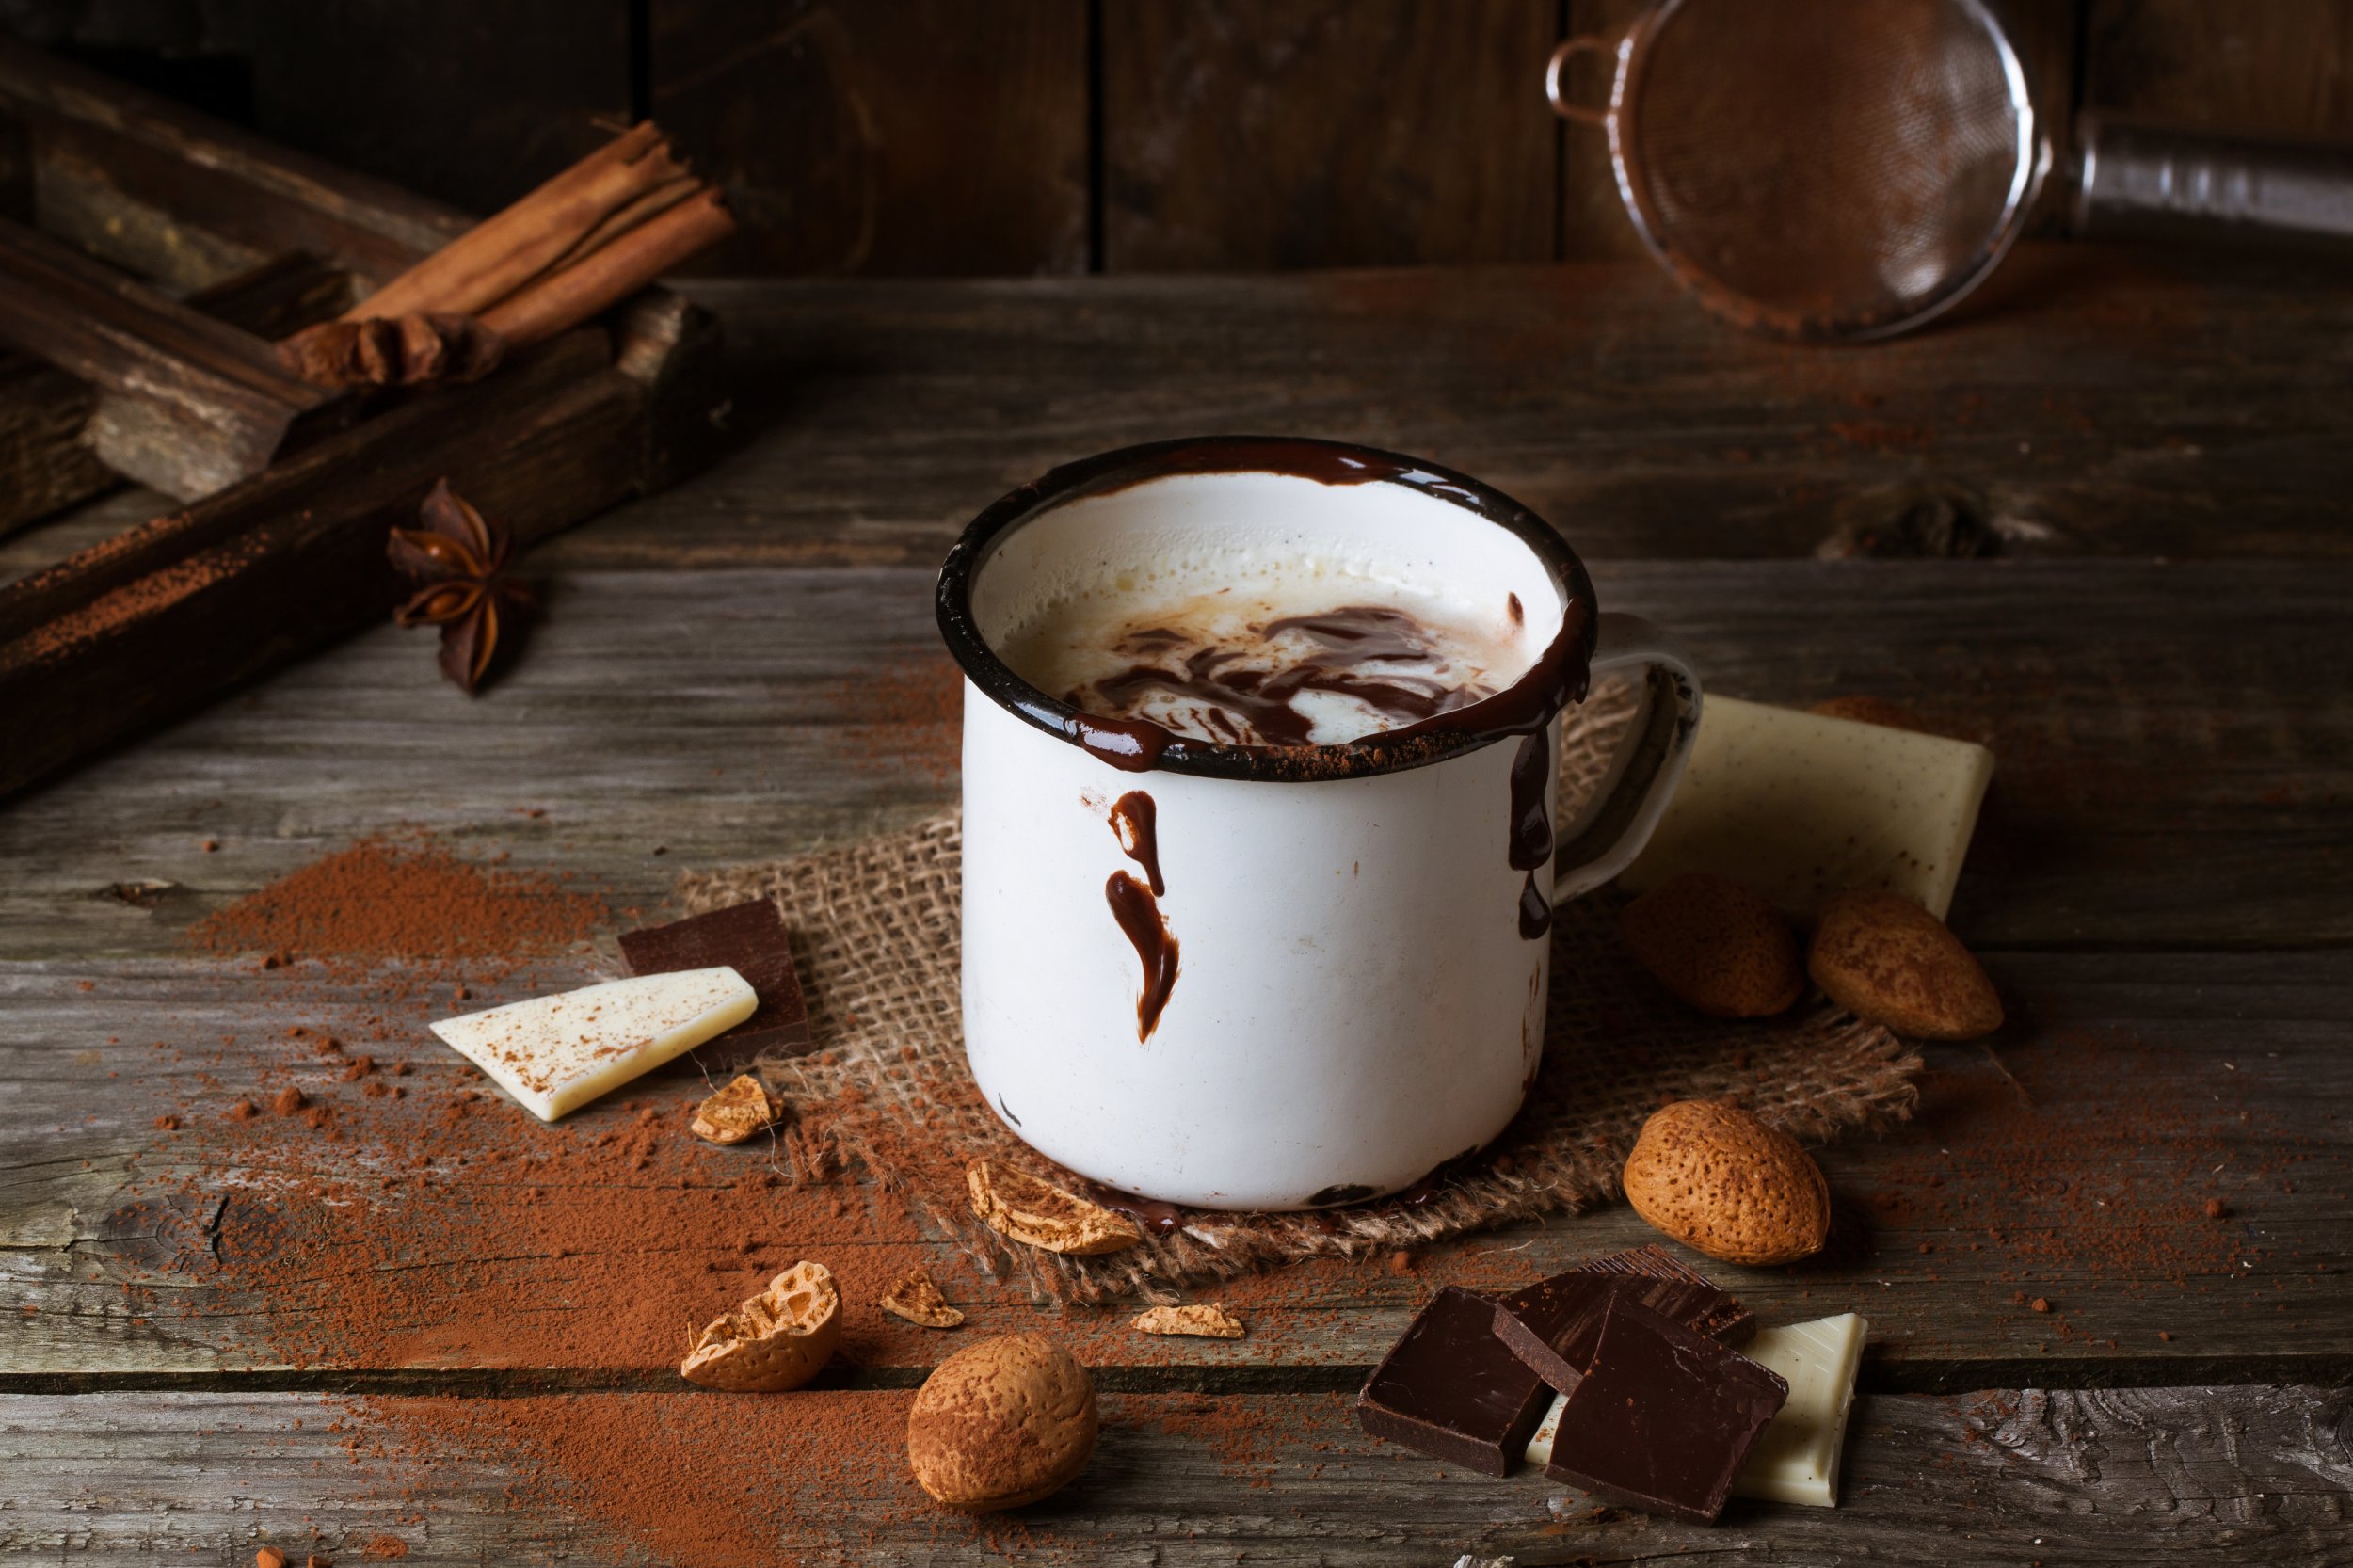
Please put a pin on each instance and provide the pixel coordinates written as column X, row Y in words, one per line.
column 461, row 559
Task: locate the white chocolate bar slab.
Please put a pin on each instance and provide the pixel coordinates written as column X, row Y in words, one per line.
column 1800, row 805
column 556, row 1053
column 1796, row 1457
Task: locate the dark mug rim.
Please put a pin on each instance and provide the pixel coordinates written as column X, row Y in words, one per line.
column 1555, row 679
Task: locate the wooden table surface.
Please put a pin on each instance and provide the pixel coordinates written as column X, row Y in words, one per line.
column 2136, row 483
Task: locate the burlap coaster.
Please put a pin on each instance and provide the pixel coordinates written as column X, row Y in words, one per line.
column 874, row 930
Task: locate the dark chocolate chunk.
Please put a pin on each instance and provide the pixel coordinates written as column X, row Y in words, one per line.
column 1663, row 1417
column 748, row 938
column 1552, row 1323
column 1730, row 1322
column 1453, row 1390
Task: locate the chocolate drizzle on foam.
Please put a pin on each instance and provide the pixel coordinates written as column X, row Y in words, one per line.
column 1357, row 649
column 1556, row 679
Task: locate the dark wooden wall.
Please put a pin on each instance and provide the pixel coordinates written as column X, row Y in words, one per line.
column 964, row 137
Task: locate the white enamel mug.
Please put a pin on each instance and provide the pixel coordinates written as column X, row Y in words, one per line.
column 1352, row 985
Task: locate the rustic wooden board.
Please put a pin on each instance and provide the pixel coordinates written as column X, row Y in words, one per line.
column 1310, row 133
column 2067, row 1159
column 902, row 137
column 2283, row 66
column 2173, row 739
column 2253, row 1475
column 2075, row 414
column 463, row 103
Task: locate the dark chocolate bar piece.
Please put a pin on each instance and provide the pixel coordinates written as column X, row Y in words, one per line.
column 749, row 938
column 1663, row 1417
column 1453, row 1390
column 1729, row 1323
column 1552, row 1323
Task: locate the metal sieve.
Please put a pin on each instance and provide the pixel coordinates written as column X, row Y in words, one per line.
column 1838, row 169
column 1844, row 170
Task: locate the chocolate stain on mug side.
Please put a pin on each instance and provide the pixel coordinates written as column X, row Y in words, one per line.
column 1135, row 822
column 1532, row 827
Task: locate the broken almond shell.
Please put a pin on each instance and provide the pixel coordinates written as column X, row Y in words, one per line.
column 735, row 1112
column 919, row 1301
column 1201, row 1319
column 776, row 1340
column 1015, row 1204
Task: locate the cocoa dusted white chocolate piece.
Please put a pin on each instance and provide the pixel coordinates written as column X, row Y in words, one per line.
column 1801, row 806
column 1796, row 1461
column 558, row 1053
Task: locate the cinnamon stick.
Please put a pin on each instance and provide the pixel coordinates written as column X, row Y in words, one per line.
column 613, row 272
column 502, row 253
column 650, row 205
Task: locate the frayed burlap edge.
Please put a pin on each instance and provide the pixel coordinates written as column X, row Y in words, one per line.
column 876, row 936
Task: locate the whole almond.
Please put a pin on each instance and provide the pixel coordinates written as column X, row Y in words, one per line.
column 1001, row 1423
column 919, row 1301
column 1200, row 1319
column 1717, row 1180
column 774, row 1340
column 1718, row 944
column 1013, row 1203
column 1882, row 957
column 735, row 1112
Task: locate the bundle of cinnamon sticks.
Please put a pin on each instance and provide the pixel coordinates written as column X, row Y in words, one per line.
column 590, row 237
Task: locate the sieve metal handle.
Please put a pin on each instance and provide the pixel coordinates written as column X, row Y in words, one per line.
column 2140, row 179
column 1555, row 71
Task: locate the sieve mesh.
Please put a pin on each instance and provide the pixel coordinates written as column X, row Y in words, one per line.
column 1839, row 167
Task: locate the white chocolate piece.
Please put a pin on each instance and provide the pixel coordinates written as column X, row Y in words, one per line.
column 1540, row 1445
column 1800, row 805
column 1796, row 1457
column 556, row 1053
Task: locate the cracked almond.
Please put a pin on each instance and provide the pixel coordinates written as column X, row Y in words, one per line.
column 735, row 1112
column 919, row 1301
column 1036, row 1213
column 776, row 1340
column 1200, row 1319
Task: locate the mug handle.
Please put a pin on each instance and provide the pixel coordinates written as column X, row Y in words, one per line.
column 1648, row 764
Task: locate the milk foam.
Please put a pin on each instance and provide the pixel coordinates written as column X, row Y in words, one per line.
column 1215, row 630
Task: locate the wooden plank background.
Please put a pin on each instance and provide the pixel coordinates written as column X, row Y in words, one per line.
column 974, row 137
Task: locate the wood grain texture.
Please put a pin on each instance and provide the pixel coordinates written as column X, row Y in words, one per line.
column 892, row 137
column 464, row 102
column 2004, row 1189
column 2175, row 742
column 2076, row 412
column 1311, row 133
column 187, row 402
column 2001, row 1478
column 2285, row 66
column 109, row 158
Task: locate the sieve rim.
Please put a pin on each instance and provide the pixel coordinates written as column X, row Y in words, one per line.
column 2032, row 164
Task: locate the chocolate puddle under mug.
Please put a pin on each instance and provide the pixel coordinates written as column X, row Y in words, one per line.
column 1348, row 948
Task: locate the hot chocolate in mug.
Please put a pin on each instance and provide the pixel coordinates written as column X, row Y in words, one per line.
column 1223, row 947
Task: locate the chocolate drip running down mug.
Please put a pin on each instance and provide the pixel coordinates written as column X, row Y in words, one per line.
column 1279, row 977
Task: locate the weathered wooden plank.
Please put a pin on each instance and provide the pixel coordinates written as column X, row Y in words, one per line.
column 2005, row 1477
column 97, row 143
column 462, row 102
column 2070, row 1159
column 44, row 464
column 187, row 403
column 2081, row 413
column 894, row 136
column 2172, row 739
column 1311, row 133
column 2282, row 67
